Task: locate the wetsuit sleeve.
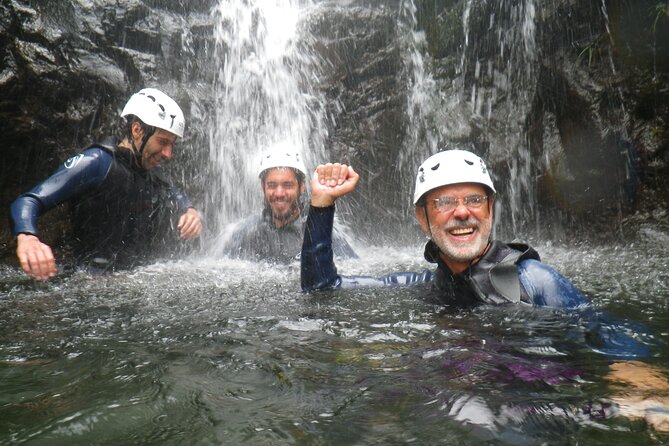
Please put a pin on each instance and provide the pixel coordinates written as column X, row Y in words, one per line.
column 547, row 287
column 75, row 176
column 318, row 271
column 607, row 335
column 181, row 200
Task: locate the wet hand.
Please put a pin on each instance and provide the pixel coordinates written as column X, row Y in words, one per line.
column 190, row 224
column 36, row 258
column 331, row 181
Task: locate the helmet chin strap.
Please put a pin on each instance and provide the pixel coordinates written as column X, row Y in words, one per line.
column 148, row 132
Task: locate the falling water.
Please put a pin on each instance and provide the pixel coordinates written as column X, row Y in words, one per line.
column 435, row 119
column 212, row 352
column 263, row 94
column 487, row 91
column 498, row 81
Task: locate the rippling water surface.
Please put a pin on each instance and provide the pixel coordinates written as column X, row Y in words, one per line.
column 231, row 352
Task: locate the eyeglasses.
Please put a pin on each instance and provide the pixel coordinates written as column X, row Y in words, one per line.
column 447, row 204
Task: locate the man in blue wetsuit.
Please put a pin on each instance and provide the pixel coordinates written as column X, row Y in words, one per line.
column 276, row 234
column 454, row 198
column 121, row 208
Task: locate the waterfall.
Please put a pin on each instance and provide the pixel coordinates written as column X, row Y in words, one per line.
column 263, row 93
column 498, row 80
column 493, row 87
column 435, row 119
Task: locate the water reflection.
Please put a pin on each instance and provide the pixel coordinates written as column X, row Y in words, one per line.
column 227, row 352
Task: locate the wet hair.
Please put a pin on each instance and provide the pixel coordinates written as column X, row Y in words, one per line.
column 147, row 129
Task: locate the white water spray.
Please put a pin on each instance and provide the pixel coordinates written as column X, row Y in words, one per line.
column 435, row 118
column 499, row 78
column 264, row 93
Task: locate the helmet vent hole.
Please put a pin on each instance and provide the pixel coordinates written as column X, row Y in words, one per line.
column 436, row 166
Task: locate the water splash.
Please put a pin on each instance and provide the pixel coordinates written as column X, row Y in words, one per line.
column 264, row 92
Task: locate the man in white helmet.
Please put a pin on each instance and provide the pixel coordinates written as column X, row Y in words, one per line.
column 121, row 209
column 276, row 234
column 453, row 198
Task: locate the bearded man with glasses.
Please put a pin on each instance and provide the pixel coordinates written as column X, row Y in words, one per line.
column 454, row 198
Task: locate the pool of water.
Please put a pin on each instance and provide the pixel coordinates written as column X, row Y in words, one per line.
column 211, row 351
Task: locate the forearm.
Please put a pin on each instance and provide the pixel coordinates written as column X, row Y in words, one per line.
column 183, row 203
column 24, row 213
column 318, row 270
column 88, row 170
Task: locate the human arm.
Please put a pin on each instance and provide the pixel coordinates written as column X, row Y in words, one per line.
column 547, row 287
column 608, row 335
column 77, row 175
column 328, row 183
column 318, row 271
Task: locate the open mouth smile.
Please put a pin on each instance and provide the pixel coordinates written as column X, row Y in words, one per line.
column 461, row 231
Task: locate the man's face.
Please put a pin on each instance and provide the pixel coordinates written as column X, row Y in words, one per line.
column 281, row 190
column 158, row 149
column 461, row 233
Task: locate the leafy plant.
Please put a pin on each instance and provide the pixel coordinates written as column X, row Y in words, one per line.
column 661, row 8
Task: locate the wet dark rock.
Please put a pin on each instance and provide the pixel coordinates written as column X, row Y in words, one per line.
column 593, row 110
column 68, row 68
column 590, row 98
column 366, row 90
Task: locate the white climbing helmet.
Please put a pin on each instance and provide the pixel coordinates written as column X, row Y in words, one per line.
column 282, row 154
column 450, row 167
column 156, row 109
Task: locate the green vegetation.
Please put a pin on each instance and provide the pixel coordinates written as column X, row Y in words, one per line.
column 661, row 9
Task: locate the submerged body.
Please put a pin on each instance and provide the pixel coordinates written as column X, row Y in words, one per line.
column 276, row 234
column 258, row 238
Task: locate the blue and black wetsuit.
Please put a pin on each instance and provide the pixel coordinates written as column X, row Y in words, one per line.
column 120, row 212
column 506, row 273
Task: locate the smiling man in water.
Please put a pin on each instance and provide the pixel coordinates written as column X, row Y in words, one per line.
column 454, row 198
column 121, row 208
column 276, row 234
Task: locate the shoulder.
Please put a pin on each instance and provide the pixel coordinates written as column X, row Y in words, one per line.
column 547, row 286
column 90, row 156
column 92, row 162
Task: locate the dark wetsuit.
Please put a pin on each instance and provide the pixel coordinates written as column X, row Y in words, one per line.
column 506, row 273
column 258, row 238
column 120, row 212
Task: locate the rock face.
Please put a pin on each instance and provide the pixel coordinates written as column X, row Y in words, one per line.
column 568, row 101
column 69, row 66
column 581, row 88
